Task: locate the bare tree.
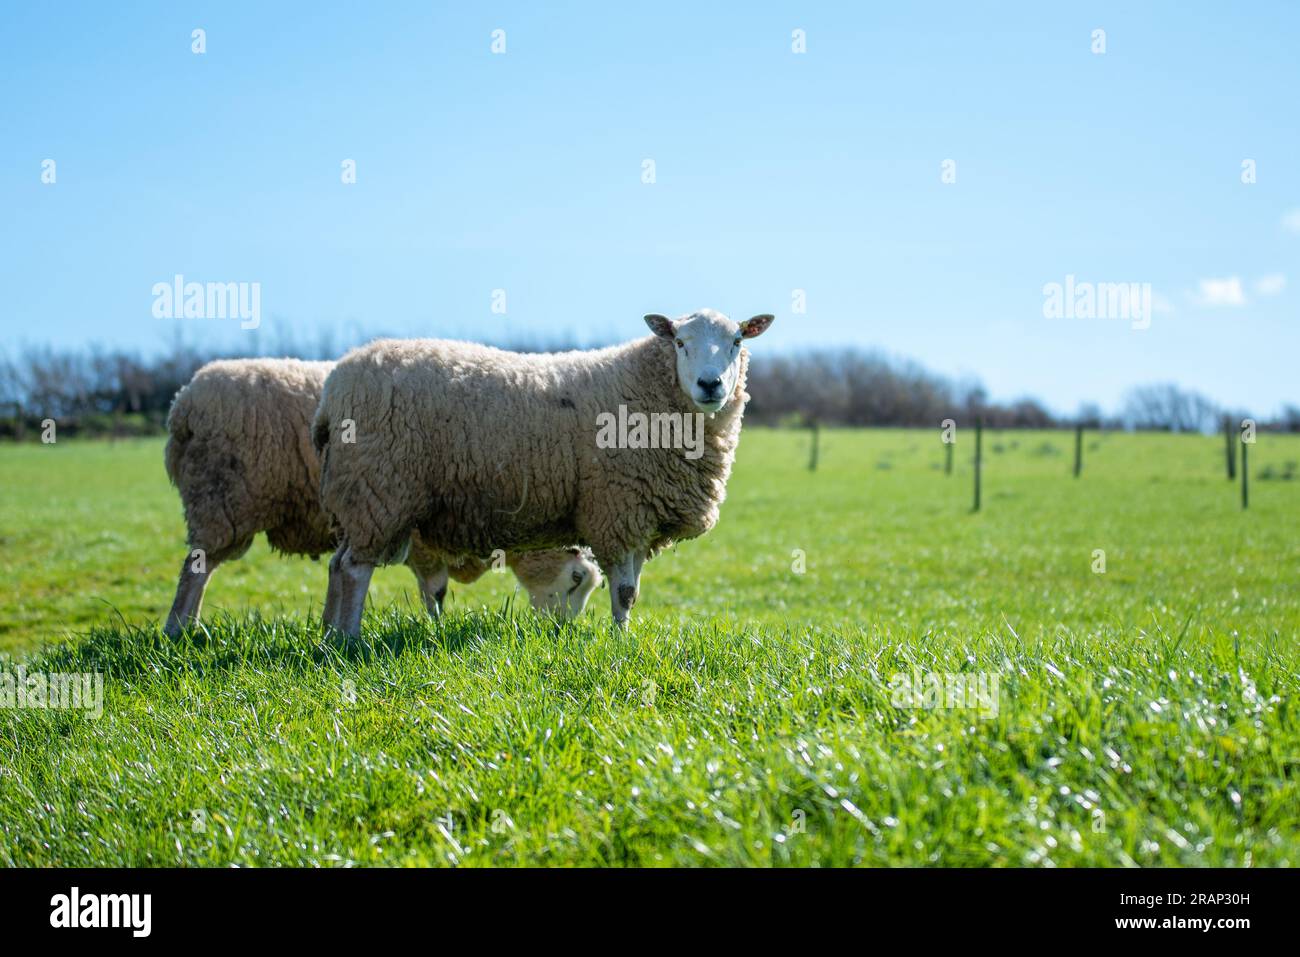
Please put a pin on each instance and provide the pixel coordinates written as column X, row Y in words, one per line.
column 1168, row 408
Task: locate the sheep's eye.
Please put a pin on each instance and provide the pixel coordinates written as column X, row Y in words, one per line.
column 577, row 578
column 737, row 342
column 680, row 344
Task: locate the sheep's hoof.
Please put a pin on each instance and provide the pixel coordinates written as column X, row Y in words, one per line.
column 345, row 643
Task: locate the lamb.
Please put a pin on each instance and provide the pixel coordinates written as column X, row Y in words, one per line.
column 240, row 453
column 471, row 446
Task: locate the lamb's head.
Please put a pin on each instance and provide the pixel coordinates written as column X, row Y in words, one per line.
column 561, row 580
column 708, row 348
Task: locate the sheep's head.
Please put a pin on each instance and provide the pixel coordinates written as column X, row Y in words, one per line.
column 708, row 352
column 576, row 576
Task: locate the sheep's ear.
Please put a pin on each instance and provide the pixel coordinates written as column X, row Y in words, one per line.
column 661, row 326
column 756, row 326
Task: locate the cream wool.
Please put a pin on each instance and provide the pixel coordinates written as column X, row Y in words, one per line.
column 476, row 447
column 239, row 451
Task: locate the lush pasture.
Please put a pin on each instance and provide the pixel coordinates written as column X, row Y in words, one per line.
column 1146, row 715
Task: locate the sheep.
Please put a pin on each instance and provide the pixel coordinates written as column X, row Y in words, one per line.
column 470, row 445
column 239, row 451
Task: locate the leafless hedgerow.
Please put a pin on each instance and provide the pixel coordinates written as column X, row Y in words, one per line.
column 99, row 392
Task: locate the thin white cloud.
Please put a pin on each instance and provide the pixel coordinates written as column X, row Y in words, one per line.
column 1161, row 305
column 1222, row 292
column 1291, row 221
column 1270, row 285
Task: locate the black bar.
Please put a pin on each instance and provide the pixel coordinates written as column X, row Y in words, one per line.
column 233, row 906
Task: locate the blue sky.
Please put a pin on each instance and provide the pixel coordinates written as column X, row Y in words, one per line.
column 774, row 172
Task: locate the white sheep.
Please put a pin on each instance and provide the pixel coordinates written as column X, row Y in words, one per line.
column 239, row 451
column 625, row 449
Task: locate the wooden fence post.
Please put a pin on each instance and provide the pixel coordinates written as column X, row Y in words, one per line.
column 1230, row 447
column 1078, row 449
column 1245, row 475
column 979, row 443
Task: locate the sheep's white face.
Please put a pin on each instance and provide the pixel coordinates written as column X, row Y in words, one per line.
column 708, row 352
column 566, row 596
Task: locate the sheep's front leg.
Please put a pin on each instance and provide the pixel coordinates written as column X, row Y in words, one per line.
column 354, row 582
column 195, row 572
column 624, row 586
column 433, row 588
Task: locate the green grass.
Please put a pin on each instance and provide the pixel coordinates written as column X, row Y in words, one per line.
column 1146, row 715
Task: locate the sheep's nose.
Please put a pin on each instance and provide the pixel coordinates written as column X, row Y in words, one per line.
column 709, row 385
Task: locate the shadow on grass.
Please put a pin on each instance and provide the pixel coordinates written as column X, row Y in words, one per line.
column 227, row 643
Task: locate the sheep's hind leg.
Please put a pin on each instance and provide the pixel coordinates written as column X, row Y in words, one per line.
column 624, row 586
column 333, row 592
column 195, row 572
column 433, row 587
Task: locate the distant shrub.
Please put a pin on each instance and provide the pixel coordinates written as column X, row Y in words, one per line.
column 1284, row 474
